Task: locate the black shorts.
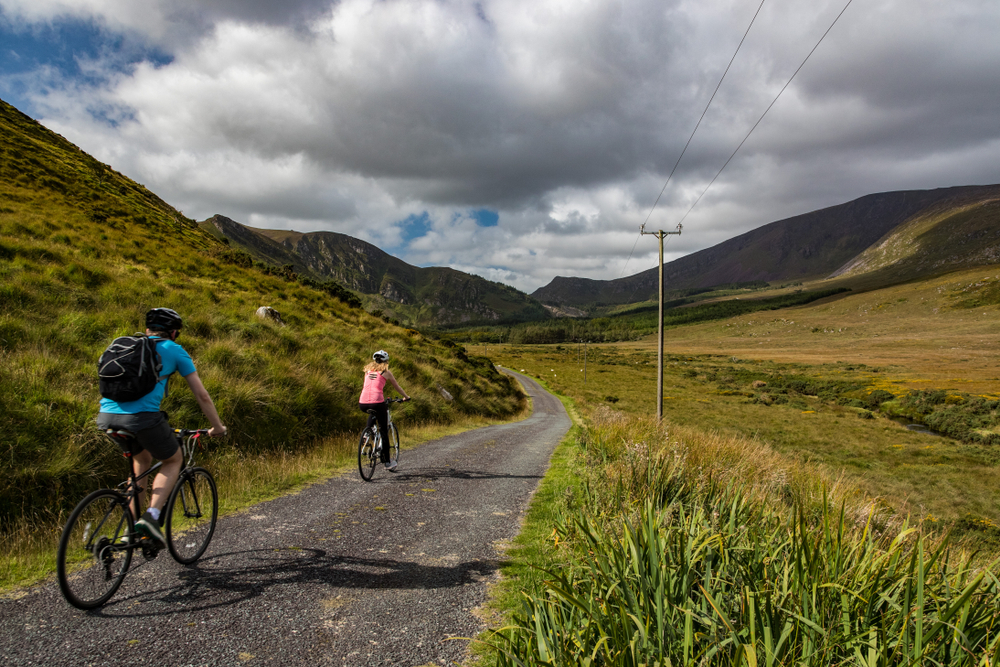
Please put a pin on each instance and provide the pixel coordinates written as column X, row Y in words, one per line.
column 151, row 429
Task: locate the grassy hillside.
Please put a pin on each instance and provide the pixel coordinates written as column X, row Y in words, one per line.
column 953, row 234
column 435, row 296
column 84, row 252
column 939, row 241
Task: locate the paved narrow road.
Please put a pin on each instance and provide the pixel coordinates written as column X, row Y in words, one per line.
column 345, row 572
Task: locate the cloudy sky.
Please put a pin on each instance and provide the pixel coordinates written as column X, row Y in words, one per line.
column 514, row 139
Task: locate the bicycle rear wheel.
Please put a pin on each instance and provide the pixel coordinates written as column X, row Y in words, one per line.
column 192, row 510
column 368, row 456
column 95, row 549
column 393, row 443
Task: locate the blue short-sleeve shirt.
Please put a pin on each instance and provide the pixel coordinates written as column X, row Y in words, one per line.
column 175, row 359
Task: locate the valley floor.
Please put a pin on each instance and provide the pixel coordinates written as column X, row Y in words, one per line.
column 939, row 334
column 928, row 334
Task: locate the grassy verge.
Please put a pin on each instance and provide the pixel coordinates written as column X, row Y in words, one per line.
column 681, row 547
column 534, row 552
column 27, row 554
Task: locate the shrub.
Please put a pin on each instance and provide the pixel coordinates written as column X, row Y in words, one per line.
column 877, row 398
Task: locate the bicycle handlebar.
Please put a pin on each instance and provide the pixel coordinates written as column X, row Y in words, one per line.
column 186, row 432
column 197, row 432
column 395, row 400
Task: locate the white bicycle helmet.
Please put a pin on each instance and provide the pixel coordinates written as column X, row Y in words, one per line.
column 381, row 356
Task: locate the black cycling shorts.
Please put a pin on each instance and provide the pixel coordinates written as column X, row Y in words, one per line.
column 151, row 429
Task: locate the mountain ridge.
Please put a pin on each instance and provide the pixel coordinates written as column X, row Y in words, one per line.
column 425, row 296
column 800, row 248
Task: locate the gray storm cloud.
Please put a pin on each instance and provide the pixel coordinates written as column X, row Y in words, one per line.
column 565, row 118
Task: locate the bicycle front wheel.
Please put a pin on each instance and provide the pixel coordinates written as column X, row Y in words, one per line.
column 368, row 456
column 95, row 549
column 393, row 442
column 192, row 510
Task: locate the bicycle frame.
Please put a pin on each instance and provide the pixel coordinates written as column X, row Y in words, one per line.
column 371, row 444
column 101, row 529
column 187, row 440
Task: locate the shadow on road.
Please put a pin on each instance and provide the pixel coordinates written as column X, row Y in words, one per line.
column 227, row 579
column 452, row 473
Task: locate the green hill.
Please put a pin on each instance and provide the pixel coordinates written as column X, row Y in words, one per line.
column 431, row 296
column 85, row 251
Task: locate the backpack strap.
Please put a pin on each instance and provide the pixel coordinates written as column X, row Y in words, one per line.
column 155, row 340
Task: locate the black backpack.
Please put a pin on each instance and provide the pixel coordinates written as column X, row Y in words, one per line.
column 129, row 369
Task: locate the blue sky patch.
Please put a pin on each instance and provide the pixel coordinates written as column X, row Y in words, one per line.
column 485, row 217
column 58, row 47
column 415, row 226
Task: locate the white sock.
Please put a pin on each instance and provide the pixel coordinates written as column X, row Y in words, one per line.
column 155, row 512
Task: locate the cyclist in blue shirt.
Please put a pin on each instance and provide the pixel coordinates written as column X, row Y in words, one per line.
column 143, row 417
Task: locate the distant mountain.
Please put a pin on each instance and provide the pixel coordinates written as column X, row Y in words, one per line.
column 838, row 240
column 434, row 296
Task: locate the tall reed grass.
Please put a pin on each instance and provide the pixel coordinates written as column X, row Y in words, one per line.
column 695, row 550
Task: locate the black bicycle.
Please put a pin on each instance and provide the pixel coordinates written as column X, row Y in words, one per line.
column 370, row 446
column 98, row 541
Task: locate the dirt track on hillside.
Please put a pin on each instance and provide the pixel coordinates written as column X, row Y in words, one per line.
column 345, row 572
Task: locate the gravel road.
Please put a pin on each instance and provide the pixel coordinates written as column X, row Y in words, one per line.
column 346, row 572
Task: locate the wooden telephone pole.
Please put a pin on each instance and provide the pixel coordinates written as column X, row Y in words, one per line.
column 659, row 355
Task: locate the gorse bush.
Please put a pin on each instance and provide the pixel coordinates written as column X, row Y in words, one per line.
column 716, row 553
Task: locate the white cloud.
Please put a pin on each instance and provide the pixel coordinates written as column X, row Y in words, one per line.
column 564, row 117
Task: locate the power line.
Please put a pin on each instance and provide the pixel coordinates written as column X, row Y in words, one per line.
column 697, row 125
column 767, row 109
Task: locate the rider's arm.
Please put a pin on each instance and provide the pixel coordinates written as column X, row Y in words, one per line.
column 206, row 404
column 388, row 376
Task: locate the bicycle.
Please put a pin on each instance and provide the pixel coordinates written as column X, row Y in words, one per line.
column 370, row 446
column 98, row 540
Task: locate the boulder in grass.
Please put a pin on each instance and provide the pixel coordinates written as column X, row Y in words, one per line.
column 268, row 313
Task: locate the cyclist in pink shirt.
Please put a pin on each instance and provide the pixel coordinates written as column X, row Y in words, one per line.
column 377, row 373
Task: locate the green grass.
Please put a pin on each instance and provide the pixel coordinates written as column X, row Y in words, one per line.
column 636, row 320
column 763, row 425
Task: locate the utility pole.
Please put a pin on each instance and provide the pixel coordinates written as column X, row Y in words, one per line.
column 659, row 351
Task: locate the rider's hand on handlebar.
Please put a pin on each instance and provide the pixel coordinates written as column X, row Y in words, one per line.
column 213, row 433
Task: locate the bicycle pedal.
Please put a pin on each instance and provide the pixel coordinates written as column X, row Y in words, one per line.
column 150, row 551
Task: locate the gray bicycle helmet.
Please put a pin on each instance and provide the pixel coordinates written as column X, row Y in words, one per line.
column 163, row 319
column 381, row 356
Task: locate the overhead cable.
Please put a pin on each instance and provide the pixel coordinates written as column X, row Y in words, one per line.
column 787, row 83
column 697, row 125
